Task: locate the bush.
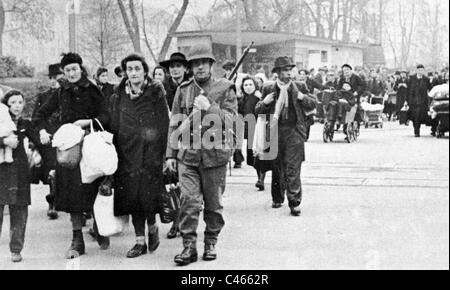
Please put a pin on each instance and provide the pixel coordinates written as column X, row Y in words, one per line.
column 11, row 68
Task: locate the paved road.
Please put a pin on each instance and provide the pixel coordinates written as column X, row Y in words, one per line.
column 381, row 203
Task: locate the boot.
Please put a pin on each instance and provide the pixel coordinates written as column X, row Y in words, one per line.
column 188, row 256
column 153, row 238
column 210, row 253
column 77, row 247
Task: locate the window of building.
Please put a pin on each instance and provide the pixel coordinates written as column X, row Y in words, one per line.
column 324, row 56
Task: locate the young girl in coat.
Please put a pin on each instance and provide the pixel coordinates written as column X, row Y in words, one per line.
column 7, row 128
column 15, row 184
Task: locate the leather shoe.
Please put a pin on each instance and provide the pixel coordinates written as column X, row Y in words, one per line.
column 296, row 211
column 260, row 185
column 172, row 234
column 136, row 251
column 210, row 253
column 188, row 256
column 277, row 205
column 153, row 240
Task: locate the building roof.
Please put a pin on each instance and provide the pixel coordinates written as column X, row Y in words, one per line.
column 261, row 37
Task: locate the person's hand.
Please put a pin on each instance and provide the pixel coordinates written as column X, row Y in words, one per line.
column 355, row 94
column 45, row 137
column 258, row 94
column 172, row 164
column 269, row 99
column 11, row 141
column 301, row 96
column 202, row 103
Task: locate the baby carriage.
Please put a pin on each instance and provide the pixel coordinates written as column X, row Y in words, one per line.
column 439, row 109
column 333, row 121
column 373, row 111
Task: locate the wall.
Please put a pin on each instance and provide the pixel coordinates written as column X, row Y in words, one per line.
column 350, row 55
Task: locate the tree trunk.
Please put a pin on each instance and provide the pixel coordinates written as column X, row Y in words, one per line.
column 173, row 28
column 2, row 26
column 131, row 28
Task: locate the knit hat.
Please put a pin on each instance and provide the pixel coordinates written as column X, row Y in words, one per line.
column 71, row 58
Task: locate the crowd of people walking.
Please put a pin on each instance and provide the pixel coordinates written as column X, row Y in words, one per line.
column 143, row 112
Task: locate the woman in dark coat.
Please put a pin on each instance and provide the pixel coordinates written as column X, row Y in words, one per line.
column 247, row 105
column 140, row 122
column 79, row 101
column 15, row 177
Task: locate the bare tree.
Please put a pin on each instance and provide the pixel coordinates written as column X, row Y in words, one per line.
column 103, row 38
column 33, row 17
column 131, row 22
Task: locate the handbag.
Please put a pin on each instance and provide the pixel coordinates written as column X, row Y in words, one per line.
column 170, row 198
column 70, row 158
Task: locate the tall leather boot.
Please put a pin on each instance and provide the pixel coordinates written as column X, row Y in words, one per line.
column 77, row 248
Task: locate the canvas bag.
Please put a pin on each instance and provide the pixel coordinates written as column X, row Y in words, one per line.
column 99, row 155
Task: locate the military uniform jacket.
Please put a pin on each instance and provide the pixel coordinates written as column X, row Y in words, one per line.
column 224, row 104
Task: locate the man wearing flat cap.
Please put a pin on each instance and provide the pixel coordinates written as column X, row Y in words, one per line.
column 202, row 168
column 284, row 103
column 46, row 173
column 176, row 65
column 357, row 84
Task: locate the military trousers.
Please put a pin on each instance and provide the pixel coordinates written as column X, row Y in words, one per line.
column 201, row 187
column 286, row 171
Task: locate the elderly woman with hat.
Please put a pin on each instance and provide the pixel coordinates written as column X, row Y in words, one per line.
column 78, row 101
column 176, row 65
column 202, row 167
column 285, row 102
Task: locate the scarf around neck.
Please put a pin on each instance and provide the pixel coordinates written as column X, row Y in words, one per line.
column 283, row 100
column 132, row 94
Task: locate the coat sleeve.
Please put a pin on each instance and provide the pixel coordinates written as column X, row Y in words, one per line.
column 102, row 112
column 261, row 108
column 44, row 112
column 172, row 151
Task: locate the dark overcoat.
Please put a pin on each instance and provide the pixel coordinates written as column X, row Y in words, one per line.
column 140, row 129
column 14, row 177
column 401, row 87
column 74, row 102
column 418, row 100
column 47, row 152
column 307, row 104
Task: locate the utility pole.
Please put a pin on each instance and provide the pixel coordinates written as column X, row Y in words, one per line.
column 72, row 9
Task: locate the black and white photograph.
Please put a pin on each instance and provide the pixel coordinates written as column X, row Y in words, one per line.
column 213, row 137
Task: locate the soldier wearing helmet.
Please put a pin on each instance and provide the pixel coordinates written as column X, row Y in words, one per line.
column 202, row 169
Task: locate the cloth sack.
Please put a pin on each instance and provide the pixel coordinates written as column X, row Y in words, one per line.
column 259, row 137
column 99, row 155
column 108, row 224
